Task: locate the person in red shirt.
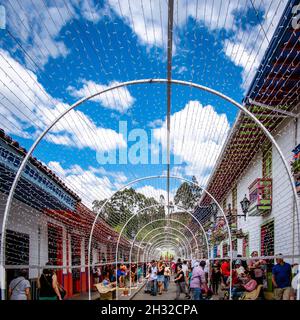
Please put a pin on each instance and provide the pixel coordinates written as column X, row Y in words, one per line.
column 225, row 271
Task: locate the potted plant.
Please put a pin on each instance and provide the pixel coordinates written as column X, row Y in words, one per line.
column 239, row 234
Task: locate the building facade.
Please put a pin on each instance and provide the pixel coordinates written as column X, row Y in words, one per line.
column 250, row 165
column 49, row 223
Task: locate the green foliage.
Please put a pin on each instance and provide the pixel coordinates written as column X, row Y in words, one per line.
column 188, row 194
column 296, row 166
column 123, row 205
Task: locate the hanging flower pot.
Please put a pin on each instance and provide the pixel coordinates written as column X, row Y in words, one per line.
column 240, row 234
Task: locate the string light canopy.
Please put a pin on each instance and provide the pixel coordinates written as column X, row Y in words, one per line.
column 53, row 54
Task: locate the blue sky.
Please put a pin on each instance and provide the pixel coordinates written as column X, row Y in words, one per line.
column 90, row 45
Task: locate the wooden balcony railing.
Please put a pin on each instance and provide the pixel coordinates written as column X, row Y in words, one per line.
column 260, row 196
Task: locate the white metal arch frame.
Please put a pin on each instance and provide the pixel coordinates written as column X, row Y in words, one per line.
column 191, row 214
column 146, row 208
column 156, row 205
column 161, row 236
column 180, row 236
column 157, row 220
column 159, row 242
column 149, row 223
column 166, row 227
column 162, row 242
column 151, row 231
column 171, row 228
column 120, row 85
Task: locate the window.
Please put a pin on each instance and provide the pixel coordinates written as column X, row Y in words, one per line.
column 55, row 244
column 17, row 248
column 267, row 239
column 267, row 161
column 16, row 251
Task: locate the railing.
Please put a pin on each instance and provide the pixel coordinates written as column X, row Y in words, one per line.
column 260, row 196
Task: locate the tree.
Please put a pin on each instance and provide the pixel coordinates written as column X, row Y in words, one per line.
column 196, row 190
column 123, row 205
column 184, row 196
column 188, row 194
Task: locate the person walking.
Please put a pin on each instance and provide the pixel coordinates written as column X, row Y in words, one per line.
column 167, row 275
column 160, row 276
column 215, row 277
column 153, row 278
column 281, row 279
column 179, row 281
column 48, row 285
column 173, row 267
column 185, row 270
column 198, row 275
column 225, row 271
column 19, row 288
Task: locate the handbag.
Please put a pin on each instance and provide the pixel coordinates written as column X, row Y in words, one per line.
column 62, row 291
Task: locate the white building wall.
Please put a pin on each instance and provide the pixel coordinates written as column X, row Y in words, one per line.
column 282, row 196
column 251, row 225
column 27, row 220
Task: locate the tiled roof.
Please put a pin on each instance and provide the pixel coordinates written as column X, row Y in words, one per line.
column 277, row 85
column 34, row 161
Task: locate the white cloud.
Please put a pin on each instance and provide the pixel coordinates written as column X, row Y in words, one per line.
column 27, row 109
column 38, row 25
column 149, row 19
column 150, row 191
column 197, row 136
column 119, row 99
column 89, row 184
column 248, row 43
column 144, row 18
column 247, row 47
column 155, row 123
column 92, row 11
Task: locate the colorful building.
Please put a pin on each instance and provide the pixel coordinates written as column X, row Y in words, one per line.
column 49, row 223
column 249, row 165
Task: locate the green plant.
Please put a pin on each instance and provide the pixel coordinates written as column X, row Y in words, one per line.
column 296, row 166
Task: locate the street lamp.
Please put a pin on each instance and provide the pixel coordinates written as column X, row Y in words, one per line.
column 245, row 204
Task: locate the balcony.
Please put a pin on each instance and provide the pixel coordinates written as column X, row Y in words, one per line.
column 260, row 195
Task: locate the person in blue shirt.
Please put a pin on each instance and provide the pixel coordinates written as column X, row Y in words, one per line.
column 281, row 279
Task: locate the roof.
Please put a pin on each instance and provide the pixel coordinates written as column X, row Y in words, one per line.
column 39, row 165
column 276, row 85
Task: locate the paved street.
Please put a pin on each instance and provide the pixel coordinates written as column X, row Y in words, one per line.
column 170, row 295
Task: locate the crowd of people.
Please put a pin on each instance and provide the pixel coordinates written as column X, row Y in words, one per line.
column 195, row 279
column 249, row 275
column 198, row 280
column 190, row 280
